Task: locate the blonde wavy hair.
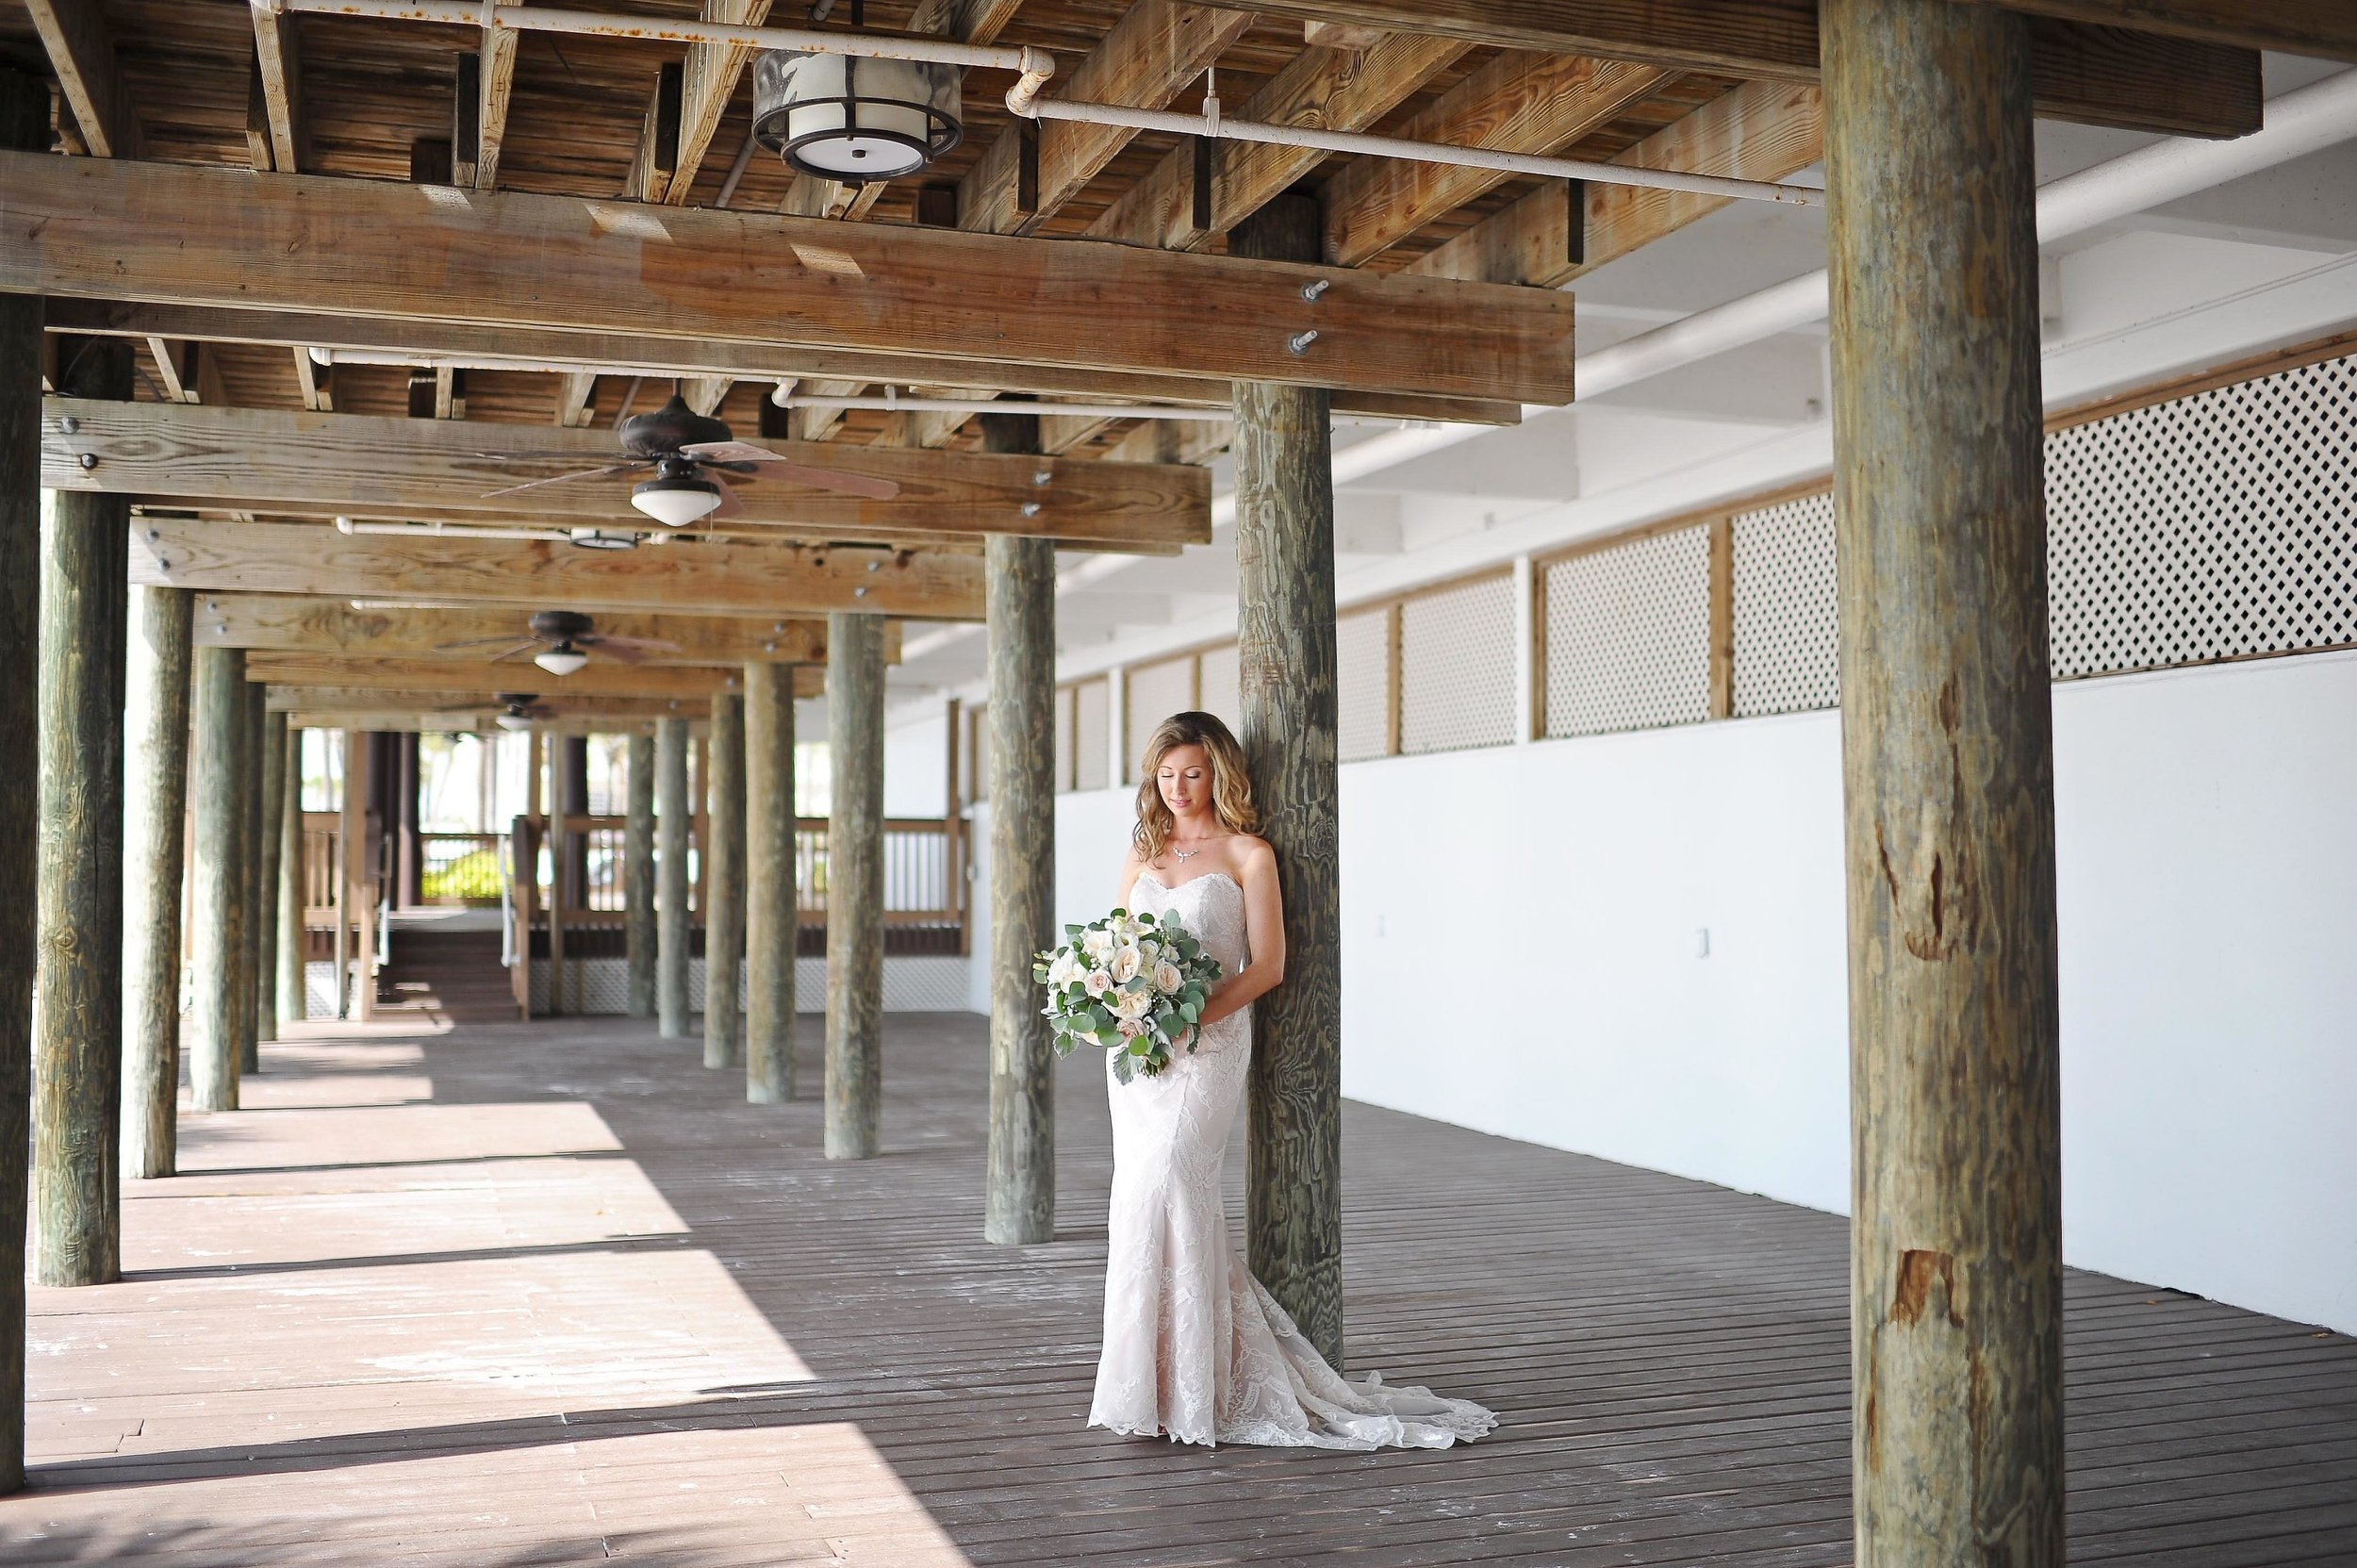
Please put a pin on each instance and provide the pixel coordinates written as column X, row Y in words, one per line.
column 1231, row 786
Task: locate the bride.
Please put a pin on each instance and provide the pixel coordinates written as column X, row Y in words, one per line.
column 1195, row 1348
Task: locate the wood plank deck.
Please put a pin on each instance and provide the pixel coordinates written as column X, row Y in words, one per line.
column 547, row 1293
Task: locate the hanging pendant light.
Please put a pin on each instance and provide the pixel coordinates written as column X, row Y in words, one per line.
column 855, row 120
column 676, row 496
column 561, row 660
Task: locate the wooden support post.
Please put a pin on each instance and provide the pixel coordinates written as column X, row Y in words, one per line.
column 724, row 882
column 293, row 934
column 250, row 884
column 154, row 846
column 357, row 858
column 217, row 704
column 638, row 929
column 855, row 682
column 772, row 910
column 274, row 794
column 671, row 913
column 23, row 128
column 77, row 1025
column 1019, row 589
column 1285, row 643
column 1948, row 778
column 1722, row 592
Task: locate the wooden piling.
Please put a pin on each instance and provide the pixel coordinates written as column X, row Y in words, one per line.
column 638, row 926
column 673, row 930
column 77, row 1022
column 772, row 910
column 1948, row 777
column 724, row 882
column 250, row 884
column 293, row 933
column 1019, row 594
column 1285, row 646
column 154, row 844
column 268, row 829
column 217, row 706
column 855, row 682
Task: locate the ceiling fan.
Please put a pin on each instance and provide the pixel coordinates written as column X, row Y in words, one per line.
column 522, row 712
column 567, row 634
column 689, row 452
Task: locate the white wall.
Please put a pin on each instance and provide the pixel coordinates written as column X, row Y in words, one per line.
column 2208, row 887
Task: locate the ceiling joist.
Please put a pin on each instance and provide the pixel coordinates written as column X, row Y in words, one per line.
column 461, row 677
column 82, row 54
column 333, row 628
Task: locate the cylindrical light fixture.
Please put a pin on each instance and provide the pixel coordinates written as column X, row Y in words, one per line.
column 854, row 120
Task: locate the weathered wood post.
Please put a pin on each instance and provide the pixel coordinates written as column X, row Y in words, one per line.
column 1019, row 577
column 638, row 928
column 855, row 692
column 217, row 700
column 724, row 880
column 772, row 910
column 670, row 831
column 1948, row 776
column 154, row 846
column 273, row 793
column 23, row 128
column 250, row 884
column 78, row 1024
column 294, row 994
column 1285, row 645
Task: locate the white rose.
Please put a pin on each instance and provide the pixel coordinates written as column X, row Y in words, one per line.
column 1149, row 949
column 1098, row 982
column 1065, row 968
column 1096, row 944
column 1124, row 965
column 1133, row 1005
column 1167, row 979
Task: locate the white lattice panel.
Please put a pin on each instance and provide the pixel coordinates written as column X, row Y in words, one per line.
column 2214, row 527
column 1092, row 733
column 1628, row 635
column 1456, row 667
column 1222, row 684
column 1363, row 684
column 1787, row 624
column 1155, row 692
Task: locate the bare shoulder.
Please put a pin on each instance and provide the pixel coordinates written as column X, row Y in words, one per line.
column 1253, row 855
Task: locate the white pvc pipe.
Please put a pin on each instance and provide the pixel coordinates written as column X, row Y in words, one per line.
column 1221, row 127
column 891, row 402
column 462, row 531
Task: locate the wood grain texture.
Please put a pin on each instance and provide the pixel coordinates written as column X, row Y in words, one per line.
column 155, row 847
column 2094, row 76
column 77, row 1025
column 271, row 838
column 274, row 624
column 638, row 927
column 771, row 917
column 1287, row 665
column 101, row 229
column 724, row 883
column 683, row 577
column 250, row 884
column 855, row 918
column 365, row 466
column 1948, row 781
column 293, row 945
column 673, row 933
column 217, row 758
column 602, row 677
column 2327, row 28
column 81, row 51
column 1020, row 1206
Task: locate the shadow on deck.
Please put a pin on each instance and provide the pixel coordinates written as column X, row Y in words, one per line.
column 551, row 1293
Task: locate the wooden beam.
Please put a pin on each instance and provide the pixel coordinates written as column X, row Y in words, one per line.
column 2327, row 28
column 657, row 156
column 687, row 357
column 1158, row 49
column 361, row 706
column 317, row 382
column 708, row 86
column 1517, row 102
column 706, row 393
column 496, row 76
column 281, row 62
column 576, row 399
column 272, row 459
column 257, row 150
column 459, row 676
column 1326, row 88
column 175, row 369
column 2096, row 76
column 294, row 624
column 1762, row 130
column 1174, row 442
column 684, row 576
column 82, row 54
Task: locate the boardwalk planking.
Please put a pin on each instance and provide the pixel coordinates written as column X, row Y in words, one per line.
column 539, row 1294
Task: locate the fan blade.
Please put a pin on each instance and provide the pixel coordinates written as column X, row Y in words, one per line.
column 644, row 645
column 730, row 452
column 744, row 456
column 611, row 646
column 606, row 473
column 475, row 642
column 524, row 647
column 729, row 505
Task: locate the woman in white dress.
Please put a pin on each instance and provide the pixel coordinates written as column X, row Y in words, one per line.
column 1195, row 1349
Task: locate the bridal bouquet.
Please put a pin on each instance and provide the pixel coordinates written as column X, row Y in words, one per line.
column 1129, row 983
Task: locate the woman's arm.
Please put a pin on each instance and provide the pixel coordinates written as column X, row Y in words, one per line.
column 1130, row 865
column 1264, row 935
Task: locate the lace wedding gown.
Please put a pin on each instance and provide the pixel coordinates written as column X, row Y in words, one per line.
column 1195, row 1347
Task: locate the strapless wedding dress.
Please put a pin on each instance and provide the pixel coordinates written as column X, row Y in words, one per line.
column 1195, row 1348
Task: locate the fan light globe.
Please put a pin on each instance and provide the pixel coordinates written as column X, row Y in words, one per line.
column 676, row 502
column 512, row 721
column 561, row 661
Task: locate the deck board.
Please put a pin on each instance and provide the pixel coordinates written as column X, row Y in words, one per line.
column 516, row 1293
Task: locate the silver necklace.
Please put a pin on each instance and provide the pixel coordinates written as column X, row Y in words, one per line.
column 1183, row 856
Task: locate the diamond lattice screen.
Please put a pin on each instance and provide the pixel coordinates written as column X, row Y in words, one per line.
column 1092, row 733
column 1456, row 667
column 1155, row 692
column 2214, row 527
column 1628, row 635
column 1363, row 685
column 1786, row 632
column 1221, row 679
